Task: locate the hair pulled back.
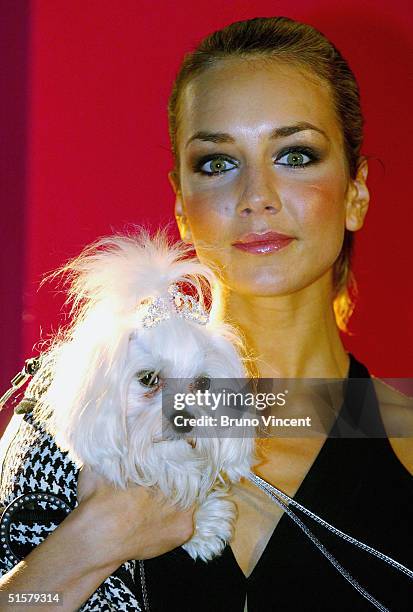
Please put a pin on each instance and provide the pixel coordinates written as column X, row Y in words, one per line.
column 285, row 40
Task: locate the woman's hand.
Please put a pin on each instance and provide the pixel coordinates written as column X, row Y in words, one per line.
column 107, row 528
column 131, row 523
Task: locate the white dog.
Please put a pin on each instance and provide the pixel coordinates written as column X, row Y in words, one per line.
column 132, row 330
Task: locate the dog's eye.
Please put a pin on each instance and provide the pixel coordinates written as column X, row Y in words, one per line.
column 149, row 379
column 202, row 383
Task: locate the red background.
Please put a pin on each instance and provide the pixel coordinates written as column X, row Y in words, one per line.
column 86, row 151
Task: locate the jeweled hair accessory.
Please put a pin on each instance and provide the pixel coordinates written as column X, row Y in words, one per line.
column 158, row 309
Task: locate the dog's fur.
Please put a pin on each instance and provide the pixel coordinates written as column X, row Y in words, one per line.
column 98, row 410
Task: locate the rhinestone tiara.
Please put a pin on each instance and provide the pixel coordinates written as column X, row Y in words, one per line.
column 154, row 310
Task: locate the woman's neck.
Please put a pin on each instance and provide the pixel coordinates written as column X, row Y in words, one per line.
column 294, row 335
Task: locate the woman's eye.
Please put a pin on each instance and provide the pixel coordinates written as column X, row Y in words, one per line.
column 295, row 158
column 216, row 165
column 149, row 379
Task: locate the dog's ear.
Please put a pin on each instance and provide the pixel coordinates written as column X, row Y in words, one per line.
column 87, row 398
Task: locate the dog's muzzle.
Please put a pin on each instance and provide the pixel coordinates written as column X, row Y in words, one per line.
column 183, row 428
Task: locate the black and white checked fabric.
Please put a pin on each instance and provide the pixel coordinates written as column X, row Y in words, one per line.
column 33, row 463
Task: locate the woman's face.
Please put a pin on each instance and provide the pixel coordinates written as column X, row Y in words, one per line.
column 261, row 151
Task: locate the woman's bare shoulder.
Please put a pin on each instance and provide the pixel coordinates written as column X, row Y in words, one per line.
column 396, row 410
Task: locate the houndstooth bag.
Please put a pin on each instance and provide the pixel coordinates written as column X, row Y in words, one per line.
column 34, row 464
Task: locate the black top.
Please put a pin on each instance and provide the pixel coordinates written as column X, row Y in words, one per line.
column 360, row 487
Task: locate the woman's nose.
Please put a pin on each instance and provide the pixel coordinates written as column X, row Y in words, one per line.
column 260, row 195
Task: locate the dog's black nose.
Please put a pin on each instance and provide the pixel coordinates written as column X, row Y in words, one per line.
column 180, row 421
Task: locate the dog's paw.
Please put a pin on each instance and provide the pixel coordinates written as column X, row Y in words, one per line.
column 214, row 524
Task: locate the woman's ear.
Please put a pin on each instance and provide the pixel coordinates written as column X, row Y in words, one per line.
column 181, row 220
column 358, row 198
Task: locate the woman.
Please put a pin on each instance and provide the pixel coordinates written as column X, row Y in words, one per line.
column 270, row 186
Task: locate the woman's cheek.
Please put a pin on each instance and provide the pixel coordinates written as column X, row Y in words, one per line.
column 321, row 207
column 208, row 220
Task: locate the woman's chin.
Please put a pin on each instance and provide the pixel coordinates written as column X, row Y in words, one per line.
column 263, row 285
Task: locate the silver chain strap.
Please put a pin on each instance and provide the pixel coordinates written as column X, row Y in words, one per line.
column 143, row 585
column 275, row 493
column 30, row 368
column 262, row 483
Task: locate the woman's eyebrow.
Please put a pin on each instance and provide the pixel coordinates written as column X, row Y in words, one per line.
column 280, row 132
column 211, row 137
column 287, row 130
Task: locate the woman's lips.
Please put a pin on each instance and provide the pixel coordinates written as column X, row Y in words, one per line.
column 270, row 242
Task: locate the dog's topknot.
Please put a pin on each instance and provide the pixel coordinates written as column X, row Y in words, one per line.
column 119, row 271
